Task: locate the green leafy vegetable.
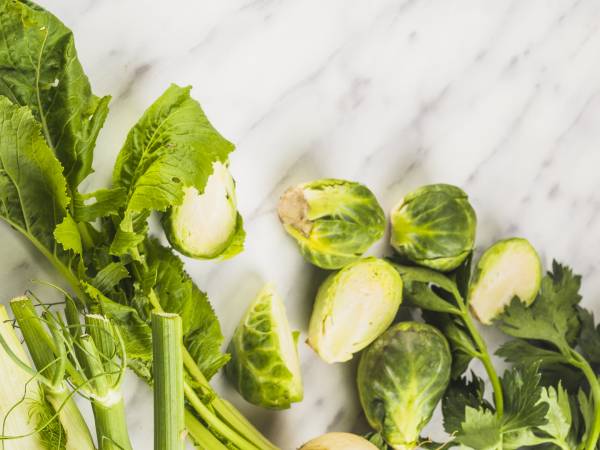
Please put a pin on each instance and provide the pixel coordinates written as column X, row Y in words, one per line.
column 333, row 221
column 39, row 69
column 369, row 288
column 401, row 378
column 510, row 268
column 434, row 226
column 549, row 329
column 265, row 368
column 207, row 225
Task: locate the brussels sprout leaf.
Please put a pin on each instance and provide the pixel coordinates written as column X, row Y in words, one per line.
column 40, row 69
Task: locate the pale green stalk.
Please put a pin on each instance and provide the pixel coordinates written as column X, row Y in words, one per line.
column 43, row 351
column 167, row 339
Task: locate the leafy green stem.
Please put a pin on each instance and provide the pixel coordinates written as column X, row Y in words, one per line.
column 581, row 363
column 483, row 355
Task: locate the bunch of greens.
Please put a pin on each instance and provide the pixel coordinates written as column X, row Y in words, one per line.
column 550, row 398
column 99, row 241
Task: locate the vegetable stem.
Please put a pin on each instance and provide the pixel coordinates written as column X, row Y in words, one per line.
column 111, row 426
column 200, row 434
column 214, row 422
column 167, row 337
column 593, row 434
column 484, row 356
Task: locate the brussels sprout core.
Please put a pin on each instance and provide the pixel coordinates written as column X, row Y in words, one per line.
column 509, row 268
column 434, row 226
column 264, row 364
column 338, row 441
column 204, row 224
column 333, row 221
column 353, row 307
column 401, row 378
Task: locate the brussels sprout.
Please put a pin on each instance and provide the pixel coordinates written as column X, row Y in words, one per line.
column 207, row 225
column 401, row 378
column 264, row 364
column 353, row 307
column 434, row 226
column 509, row 268
column 333, row 221
column 338, row 441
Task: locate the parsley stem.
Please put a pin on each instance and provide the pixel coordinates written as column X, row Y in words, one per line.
column 484, row 357
column 593, row 434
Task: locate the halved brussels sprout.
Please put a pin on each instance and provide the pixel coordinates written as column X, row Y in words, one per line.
column 401, row 378
column 207, row 225
column 434, row 226
column 264, row 364
column 338, row 441
column 333, row 221
column 353, row 307
column 509, row 268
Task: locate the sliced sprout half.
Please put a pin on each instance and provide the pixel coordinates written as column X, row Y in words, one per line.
column 338, row 441
column 353, row 307
column 264, row 365
column 509, row 268
column 205, row 224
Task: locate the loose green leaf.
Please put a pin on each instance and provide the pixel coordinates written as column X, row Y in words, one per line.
column 67, row 234
column 39, row 69
column 107, row 202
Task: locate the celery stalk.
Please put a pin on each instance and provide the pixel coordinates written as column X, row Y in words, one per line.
column 167, row 338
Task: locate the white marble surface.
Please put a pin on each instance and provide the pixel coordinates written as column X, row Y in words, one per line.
column 499, row 97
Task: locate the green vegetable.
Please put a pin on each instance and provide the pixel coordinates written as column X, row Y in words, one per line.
column 353, row 307
column 264, row 366
column 434, row 226
column 443, row 303
column 338, row 441
column 549, row 331
column 17, row 385
column 40, row 69
column 401, row 378
column 48, row 356
column 89, row 358
column 333, row 221
column 509, row 268
column 169, row 428
column 99, row 241
column 207, row 225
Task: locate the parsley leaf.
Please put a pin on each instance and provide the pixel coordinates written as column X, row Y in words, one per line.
column 553, row 315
